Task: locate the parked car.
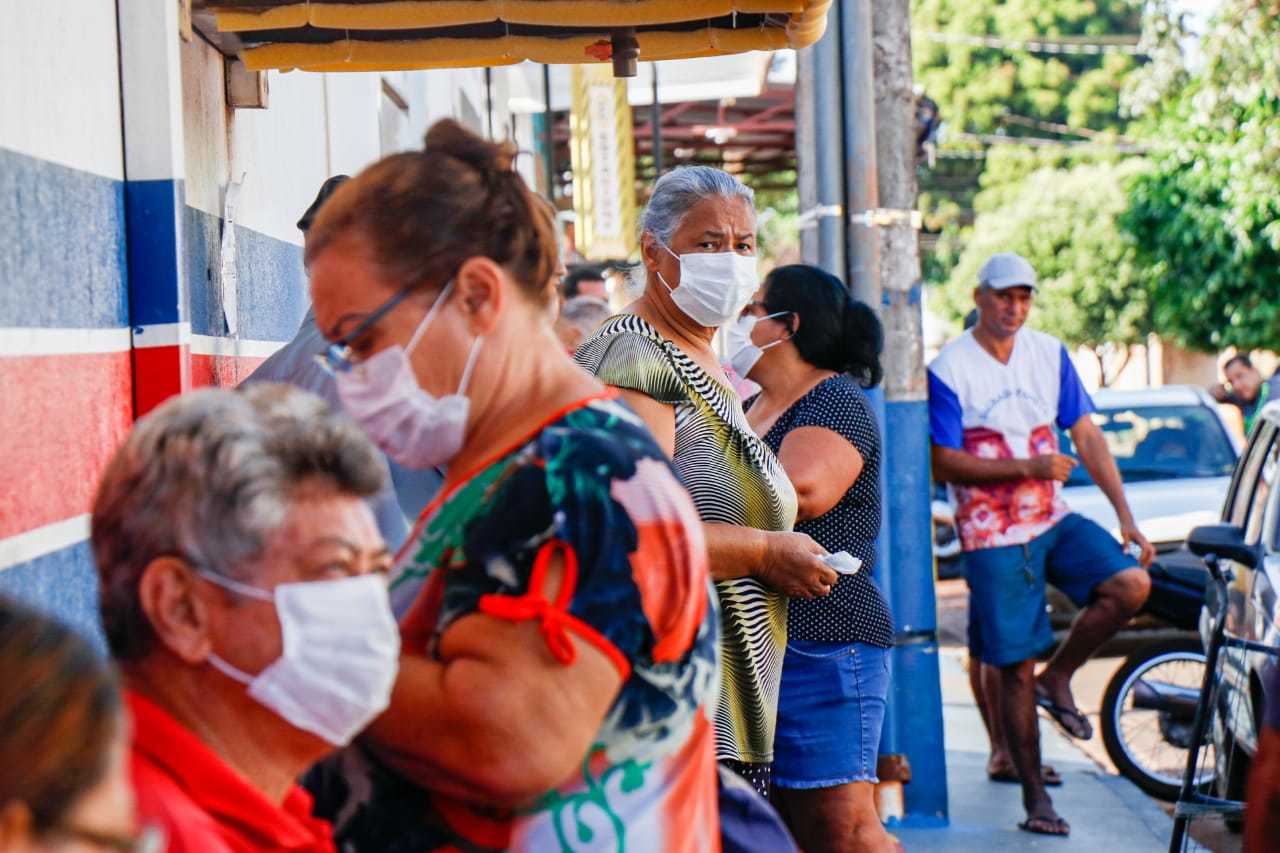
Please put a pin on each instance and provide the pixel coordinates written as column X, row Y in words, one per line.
column 1175, row 453
column 1253, row 507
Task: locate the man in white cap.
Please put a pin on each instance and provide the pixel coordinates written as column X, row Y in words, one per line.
column 995, row 396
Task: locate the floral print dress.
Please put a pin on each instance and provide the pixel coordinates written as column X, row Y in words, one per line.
column 592, row 487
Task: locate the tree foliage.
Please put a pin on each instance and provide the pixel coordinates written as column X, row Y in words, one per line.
column 980, row 90
column 975, row 86
column 1206, row 216
column 1093, row 291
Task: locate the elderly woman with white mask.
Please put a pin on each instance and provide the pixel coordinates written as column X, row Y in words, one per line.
column 244, row 597
column 698, row 245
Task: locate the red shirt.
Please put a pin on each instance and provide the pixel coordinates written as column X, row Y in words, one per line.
column 202, row 804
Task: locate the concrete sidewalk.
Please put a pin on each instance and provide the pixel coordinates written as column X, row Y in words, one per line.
column 1106, row 812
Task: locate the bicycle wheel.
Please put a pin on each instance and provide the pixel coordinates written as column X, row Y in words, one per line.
column 1147, row 715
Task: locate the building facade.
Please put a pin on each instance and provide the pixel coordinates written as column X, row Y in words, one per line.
column 148, row 243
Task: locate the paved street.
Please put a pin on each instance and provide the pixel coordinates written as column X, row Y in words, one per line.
column 1106, row 812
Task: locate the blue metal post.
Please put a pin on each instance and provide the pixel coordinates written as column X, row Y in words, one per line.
column 838, row 140
column 915, row 704
column 863, row 248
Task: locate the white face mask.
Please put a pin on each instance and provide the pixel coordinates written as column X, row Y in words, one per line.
column 411, row 426
column 743, row 353
column 714, row 286
column 341, row 653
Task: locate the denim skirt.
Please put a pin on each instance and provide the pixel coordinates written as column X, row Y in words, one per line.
column 830, row 710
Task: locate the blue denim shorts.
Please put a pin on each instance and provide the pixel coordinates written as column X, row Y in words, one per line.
column 830, row 710
column 1007, row 618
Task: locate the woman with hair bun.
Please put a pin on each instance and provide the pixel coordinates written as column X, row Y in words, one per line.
column 64, row 781
column 813, row 349
column 559, row 647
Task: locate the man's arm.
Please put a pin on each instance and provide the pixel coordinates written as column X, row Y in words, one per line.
column 958, row 466
column 952, row 464
column 1092, row 447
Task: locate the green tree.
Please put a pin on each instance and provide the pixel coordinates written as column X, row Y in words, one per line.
column 1011, row 92
column 977, row 86
column 1206, row 217
column 1093, row 291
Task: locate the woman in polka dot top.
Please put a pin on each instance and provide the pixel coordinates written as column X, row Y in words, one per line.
column 813, row 349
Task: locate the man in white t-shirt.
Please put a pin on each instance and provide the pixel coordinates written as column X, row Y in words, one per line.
column 995, row 396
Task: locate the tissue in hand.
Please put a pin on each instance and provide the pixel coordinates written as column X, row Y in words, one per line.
column 843, row 562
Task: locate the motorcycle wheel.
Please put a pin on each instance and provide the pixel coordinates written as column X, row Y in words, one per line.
column 1138, row 740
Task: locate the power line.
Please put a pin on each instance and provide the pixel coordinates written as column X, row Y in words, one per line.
column 1089, row 45
column 1054, row 127
column 1046, row 142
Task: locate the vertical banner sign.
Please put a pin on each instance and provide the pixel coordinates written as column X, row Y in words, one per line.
column 602, row 147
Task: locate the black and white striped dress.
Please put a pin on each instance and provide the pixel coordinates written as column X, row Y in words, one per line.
column 734, row 478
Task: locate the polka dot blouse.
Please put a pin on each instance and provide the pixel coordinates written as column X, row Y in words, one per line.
column 855, row 611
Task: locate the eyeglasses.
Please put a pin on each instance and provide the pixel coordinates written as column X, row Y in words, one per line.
column 337, row 357
column 150, row 840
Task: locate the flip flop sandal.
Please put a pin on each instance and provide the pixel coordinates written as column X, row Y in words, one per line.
column 1072, row 721
column 1041, row 826
column 1048, row 774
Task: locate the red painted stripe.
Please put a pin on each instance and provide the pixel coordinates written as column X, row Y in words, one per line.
column 159, row 373
column 221, row 371
column 165, row 371
column 61, row 417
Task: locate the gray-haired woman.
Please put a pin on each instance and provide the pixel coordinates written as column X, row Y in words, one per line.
column 698, row 245
column 244, row 597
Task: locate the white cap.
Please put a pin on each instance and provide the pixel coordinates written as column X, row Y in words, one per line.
column 1005, row 270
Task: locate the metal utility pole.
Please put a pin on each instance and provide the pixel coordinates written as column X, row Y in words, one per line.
column 915, row 703
column 548, row 136
column 655, row 122
column 855, row 144
column 488, row 98
column 861, row 186
column 820, row 149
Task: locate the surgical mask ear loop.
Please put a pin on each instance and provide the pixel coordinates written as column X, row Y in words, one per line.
column 471, row 363
column 215, row 660
column 756, row 321
column 426, row 321
column 236, row 586
column 790, row 334
column 667, row 249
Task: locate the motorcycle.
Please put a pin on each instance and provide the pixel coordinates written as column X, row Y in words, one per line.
column 1148, row 709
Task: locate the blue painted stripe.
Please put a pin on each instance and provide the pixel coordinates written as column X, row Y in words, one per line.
column 915, row 700
column 65, row 261
column 154, row 286
column 913, row 722
column 907, row 502
column 272, row 284
column 62, row 259
column 63, row 584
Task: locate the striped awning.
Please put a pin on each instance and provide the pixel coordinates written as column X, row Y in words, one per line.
column 401, row 35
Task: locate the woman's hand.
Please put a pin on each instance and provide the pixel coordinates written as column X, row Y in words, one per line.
column 793, row 566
